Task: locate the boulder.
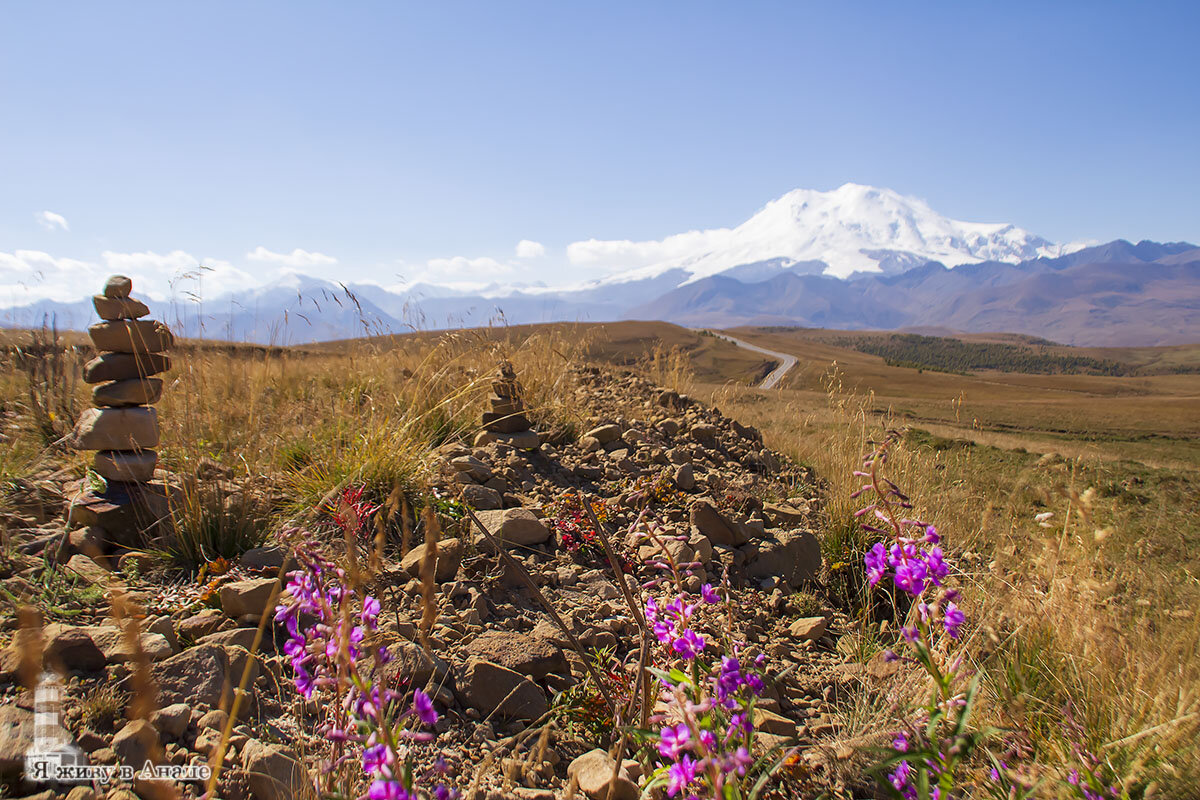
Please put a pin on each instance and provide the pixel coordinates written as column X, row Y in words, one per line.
column 84, row 567
column 200, row 676
column 124, row 511
column 274, row 772
column 525, row 440
column 712, row 524
column 130, row 392
column 472, row 466
column 137, row 743
column 528, row 655
column 71, row 648
column 809, row 629
column 203, row 623
column 685, row 478
column 597, row 776
column 113, row 308
column 16, row 736
column 771, row 723
column 124, row 366
column 133, row 428
column 490, row 688
column 131, row 336
column 411, row 665
column 171, row 722
column 505, row 423
column 794, row 557
column 118, row 287
column 448, row 558
column 125, row 465
column 251, row 596
column 481, row 497
column 704, row 433
column 119, row 649
column 605, row 434
column 235, row 637
column 516, row 526
column 783, row 516
column 268, row 557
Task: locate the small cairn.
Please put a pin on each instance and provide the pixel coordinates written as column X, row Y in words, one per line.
column 506, row 422
column 123, row 428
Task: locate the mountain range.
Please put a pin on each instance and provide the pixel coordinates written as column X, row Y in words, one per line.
column 856, row 257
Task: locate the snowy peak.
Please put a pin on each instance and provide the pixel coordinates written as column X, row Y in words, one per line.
column 851, row 229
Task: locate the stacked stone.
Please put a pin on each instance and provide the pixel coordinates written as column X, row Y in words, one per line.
column 506, row 422
column 123, row 428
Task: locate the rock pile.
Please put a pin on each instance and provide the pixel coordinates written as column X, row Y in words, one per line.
column 123, row 427
column 506, row 422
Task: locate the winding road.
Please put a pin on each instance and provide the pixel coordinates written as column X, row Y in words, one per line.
column 786, row 362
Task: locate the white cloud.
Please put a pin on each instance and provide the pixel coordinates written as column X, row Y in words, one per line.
column 297, row 259
column 461, row 266
column 625, row 254
column 530, row 249
column 179, row 274
column 30, row 275
column 51, row 221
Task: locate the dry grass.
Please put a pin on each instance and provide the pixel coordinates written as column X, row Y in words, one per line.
column 1092, row 618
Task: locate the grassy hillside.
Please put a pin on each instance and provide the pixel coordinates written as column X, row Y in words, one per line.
column 1145, row 417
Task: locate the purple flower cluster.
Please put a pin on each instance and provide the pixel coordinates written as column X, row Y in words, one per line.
column 911, row 558
column 670, row 623
column 327, row 629
column 710, row 744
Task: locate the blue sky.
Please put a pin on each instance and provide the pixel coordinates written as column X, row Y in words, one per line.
column 391, row 139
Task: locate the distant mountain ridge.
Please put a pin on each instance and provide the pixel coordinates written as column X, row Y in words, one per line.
column 1118, row 293
column 854, row 257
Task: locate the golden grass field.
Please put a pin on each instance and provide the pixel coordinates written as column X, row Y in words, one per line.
column 1090, row 612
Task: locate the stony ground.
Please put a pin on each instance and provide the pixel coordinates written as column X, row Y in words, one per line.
column 505, row 677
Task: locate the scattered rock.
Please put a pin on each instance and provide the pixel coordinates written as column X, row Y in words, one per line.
column 605, row 434
column 711, row 524
column 490, row 688
column 264, row 558
column 412, row 665
column 598, row 777
column 172, row 721
column 685, row 477
column 528, row 655
column 809, row 629
column 16, row 736
column 274, row 772
column 137, row 743
column 71, row 649
column 251, row 596
column 88, row 569
column 449, row 557
column 481, row 497
column 793, row 557
column 516, row 526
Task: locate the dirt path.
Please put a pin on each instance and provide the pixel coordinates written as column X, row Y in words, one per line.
column 786, row 362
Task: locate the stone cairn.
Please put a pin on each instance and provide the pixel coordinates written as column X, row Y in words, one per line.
column 506, row 422
column 123, row 428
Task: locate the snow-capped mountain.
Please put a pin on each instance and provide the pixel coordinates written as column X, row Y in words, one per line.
column 852, row 229
column 854, row 257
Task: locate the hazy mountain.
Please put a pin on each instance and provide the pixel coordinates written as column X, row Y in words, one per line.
column 855, row 257
column 1079, row 299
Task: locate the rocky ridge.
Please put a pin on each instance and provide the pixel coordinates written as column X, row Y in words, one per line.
column 496, row 661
